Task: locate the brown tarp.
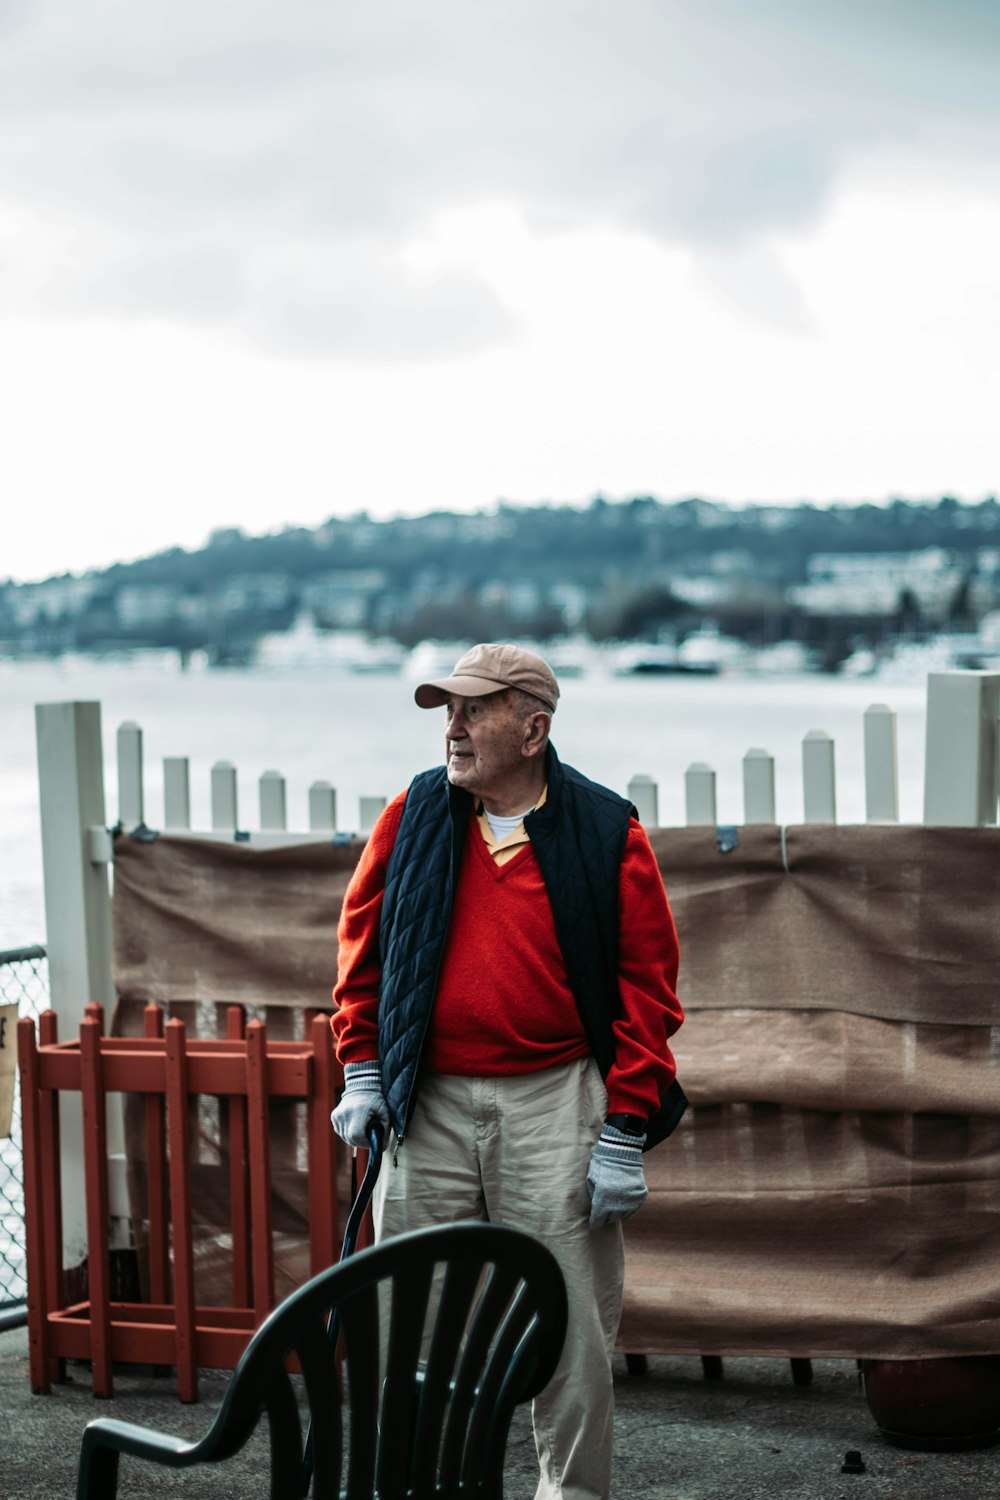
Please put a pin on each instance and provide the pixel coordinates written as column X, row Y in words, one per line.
column 196, row 920
column 835, row 1187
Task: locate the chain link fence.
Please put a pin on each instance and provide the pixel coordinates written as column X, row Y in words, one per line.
column 24, row 982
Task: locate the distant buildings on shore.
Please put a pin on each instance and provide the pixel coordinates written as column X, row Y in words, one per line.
column 831, row 583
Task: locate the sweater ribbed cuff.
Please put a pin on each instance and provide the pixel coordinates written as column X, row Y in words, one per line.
column 615, row 1145
column 362, row 1075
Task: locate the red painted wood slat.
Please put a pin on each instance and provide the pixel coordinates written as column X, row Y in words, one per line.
column 178, row 1137
column 156, row 1174
column 323, row 1215
column 259, row 1155
column 95, row 1173
column 239, row 1199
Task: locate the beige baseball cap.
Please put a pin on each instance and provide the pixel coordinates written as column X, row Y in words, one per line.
column 488, row 669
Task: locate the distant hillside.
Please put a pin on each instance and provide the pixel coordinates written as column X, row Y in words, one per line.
column 634, row 568
column 535, row 541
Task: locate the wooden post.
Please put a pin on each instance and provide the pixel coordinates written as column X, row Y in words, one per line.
column 77, row 907
column 881, row 765
column 819, row 790
column 960, row 771
column 758, row 787
column 130, row 789
column 131, row 814
column 272, row 800
column 176, row 792
column 322, row 807
column 645, row 793
column 699, row 795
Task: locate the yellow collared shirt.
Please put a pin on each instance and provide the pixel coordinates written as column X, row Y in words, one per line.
column 504, row 849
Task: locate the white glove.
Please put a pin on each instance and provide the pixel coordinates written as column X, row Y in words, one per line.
column 615, row 1179
column 362, row 1103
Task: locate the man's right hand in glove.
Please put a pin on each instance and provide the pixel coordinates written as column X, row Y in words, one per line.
column 362, row 1103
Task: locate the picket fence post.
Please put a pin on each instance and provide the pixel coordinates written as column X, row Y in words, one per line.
column 322, row 807
column 369, row 809
column 272, row 800
column 758, row 787
column 644, row 793
column 699, row 795
column 881, row 765
column 130, row 789
column 77, row 909
column 224, row 813
column 960, row 771
column 176, row 792
column 819, row 787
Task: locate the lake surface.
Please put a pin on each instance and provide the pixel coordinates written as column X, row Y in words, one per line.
column 364, row 735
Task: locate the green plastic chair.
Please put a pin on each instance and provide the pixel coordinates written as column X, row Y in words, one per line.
column 431, row 1419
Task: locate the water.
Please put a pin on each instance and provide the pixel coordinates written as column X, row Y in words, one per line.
column 363, row 734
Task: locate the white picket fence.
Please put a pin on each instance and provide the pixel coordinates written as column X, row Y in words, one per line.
column 223, row 801
column 960, row 779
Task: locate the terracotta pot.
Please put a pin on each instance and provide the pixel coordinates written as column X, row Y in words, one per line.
column 935, row 1403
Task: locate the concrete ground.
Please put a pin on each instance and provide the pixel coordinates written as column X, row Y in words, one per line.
column 751, row 1435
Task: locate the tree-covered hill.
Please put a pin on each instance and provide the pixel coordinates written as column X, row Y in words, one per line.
column 613, row 569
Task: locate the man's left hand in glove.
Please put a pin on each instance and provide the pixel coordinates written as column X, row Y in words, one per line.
column 615, row 1179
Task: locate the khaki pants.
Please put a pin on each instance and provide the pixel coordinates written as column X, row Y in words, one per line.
column 515, row 1151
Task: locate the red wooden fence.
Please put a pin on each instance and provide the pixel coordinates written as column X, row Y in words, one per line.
column 167, row 1067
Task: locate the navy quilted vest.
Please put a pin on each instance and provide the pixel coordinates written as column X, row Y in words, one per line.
column 578, row 836
column 416, row 911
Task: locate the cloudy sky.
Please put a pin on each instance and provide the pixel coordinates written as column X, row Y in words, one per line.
column 265, row 262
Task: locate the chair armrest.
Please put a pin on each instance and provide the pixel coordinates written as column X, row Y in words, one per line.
column 143, row 1442
column 106, row 1437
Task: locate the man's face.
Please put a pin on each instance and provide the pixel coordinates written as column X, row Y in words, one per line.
column 483, row 744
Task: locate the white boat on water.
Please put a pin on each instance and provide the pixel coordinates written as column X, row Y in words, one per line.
column 654, row 659
column 382, row 656
column 304, row 645
column 431, row 659
column 780, row 659
column 861, row 663
column 709, row 650
column 573, row 657
column 948, row 651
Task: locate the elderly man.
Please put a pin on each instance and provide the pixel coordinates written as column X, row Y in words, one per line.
column 505, row 994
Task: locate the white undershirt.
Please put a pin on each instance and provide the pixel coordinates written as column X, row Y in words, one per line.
column 503, row 826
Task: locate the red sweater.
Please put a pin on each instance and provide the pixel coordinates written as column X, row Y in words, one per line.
column 503, row 1004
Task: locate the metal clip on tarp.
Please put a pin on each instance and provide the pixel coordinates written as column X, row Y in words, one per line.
column 143, row 835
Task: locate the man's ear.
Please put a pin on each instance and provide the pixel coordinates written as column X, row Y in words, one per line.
column 536, row 733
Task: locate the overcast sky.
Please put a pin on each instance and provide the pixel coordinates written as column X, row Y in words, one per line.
column 266, row 262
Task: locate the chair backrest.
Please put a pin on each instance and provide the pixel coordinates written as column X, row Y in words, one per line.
column 444, row 1331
